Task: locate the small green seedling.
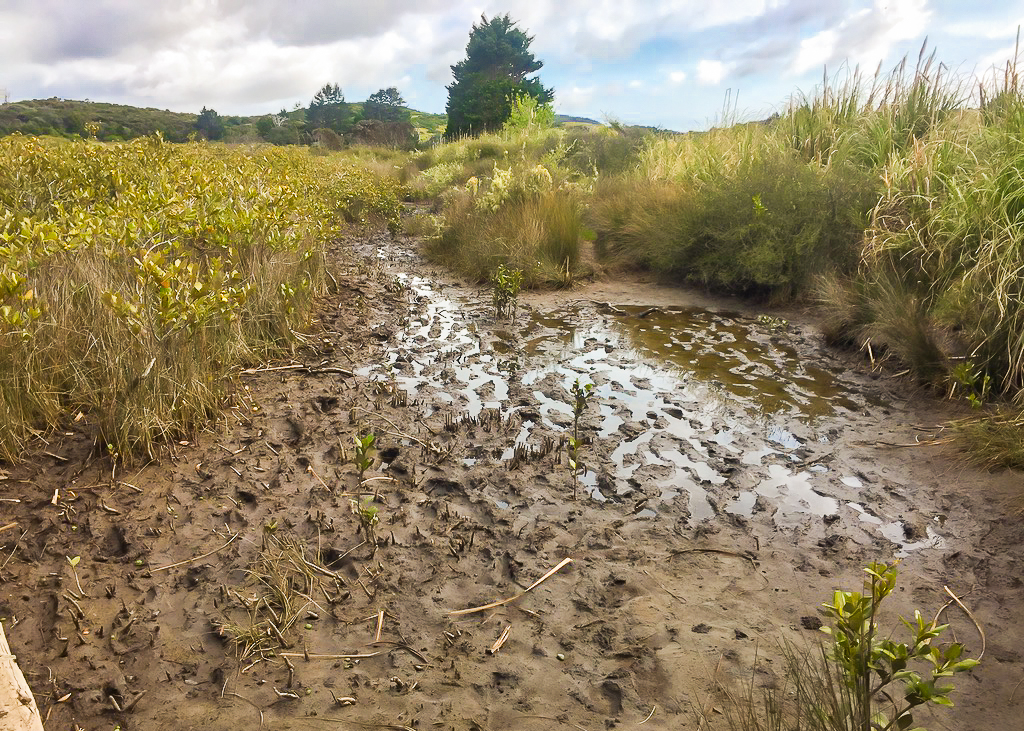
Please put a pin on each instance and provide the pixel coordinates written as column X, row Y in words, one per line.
column 506, row 283
column 581, row 394
column 369, row 516
column 871, row 664
column 364, row 453
column 974, row 383
column 74, row 561
column 772, row 323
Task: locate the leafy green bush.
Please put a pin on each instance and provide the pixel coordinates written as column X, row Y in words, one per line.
column 135, row 277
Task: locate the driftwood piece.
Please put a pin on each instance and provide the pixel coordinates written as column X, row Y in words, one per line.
column 18, row 711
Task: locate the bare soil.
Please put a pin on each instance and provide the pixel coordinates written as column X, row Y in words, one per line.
column 717, row 512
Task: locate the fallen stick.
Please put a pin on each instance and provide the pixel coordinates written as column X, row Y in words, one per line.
column 196, row 558
column 562, row 564
column 307, row 369
column 968, row 612
column 314, row 656
column 18, row 710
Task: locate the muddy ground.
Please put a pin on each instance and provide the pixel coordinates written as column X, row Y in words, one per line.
column 737, row 472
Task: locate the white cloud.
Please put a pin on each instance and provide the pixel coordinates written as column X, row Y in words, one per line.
column 710, row 72
column 612, row 29
column 815, row 51
column 677, row 77
column 866, row 36
column 575, row 98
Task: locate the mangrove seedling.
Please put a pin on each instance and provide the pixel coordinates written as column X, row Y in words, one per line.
column 368, row 515
column 884, row 686
column 365, row 450
column 973, row 382
column 506, row 283
column 581, row 395
column 73, row 561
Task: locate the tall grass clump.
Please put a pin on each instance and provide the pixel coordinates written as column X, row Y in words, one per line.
column 135, row 277
column 604, row 151
column 733, row 210
column 949, row 220
column 850, row 118
column 514, row 202
column 519, row 218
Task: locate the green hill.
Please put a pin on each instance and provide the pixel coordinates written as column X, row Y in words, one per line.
column 65, row 118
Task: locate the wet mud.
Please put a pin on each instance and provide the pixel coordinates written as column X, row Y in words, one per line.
column 734, row 472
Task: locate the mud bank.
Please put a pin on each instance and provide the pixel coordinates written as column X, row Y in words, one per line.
column 737, row 472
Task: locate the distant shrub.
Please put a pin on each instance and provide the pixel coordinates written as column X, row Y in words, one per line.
column 609, row 150
column 328, row 139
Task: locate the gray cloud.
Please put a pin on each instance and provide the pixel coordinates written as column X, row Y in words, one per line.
column 252, row 56
column 54, row 30
column 324, row 21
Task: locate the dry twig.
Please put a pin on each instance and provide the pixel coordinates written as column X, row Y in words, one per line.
column 562, row 564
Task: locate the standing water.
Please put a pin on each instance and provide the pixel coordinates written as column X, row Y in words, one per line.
column 717, row 410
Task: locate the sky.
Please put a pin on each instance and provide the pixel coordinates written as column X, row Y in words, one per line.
column 676, row 64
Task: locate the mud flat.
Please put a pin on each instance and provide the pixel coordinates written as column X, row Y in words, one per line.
column 737, row 472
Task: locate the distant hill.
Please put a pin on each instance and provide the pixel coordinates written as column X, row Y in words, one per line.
column 566, row 121
column 67, row 118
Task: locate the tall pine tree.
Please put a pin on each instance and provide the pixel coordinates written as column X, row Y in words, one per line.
column 328, row 110
column 498, row 62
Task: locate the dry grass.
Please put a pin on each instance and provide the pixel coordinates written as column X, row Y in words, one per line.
column 283, row 586
column 993, row 441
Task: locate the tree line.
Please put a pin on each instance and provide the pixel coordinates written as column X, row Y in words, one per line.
column 329, row 121
column 497, row 74
column 487, row 85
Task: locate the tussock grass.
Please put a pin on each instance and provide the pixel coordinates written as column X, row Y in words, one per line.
column 992, row 441
column 887, row 317
column 538, row 234
column 762, row 224
column 813, row 697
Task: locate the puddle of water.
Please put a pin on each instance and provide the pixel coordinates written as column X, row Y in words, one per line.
column 742, row 505
column 895, row 531
column 794, row 496
column 665, row 383
column 735, row 355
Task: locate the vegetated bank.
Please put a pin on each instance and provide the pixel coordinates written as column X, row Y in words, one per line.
column 135, row 277
column 895, row 201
